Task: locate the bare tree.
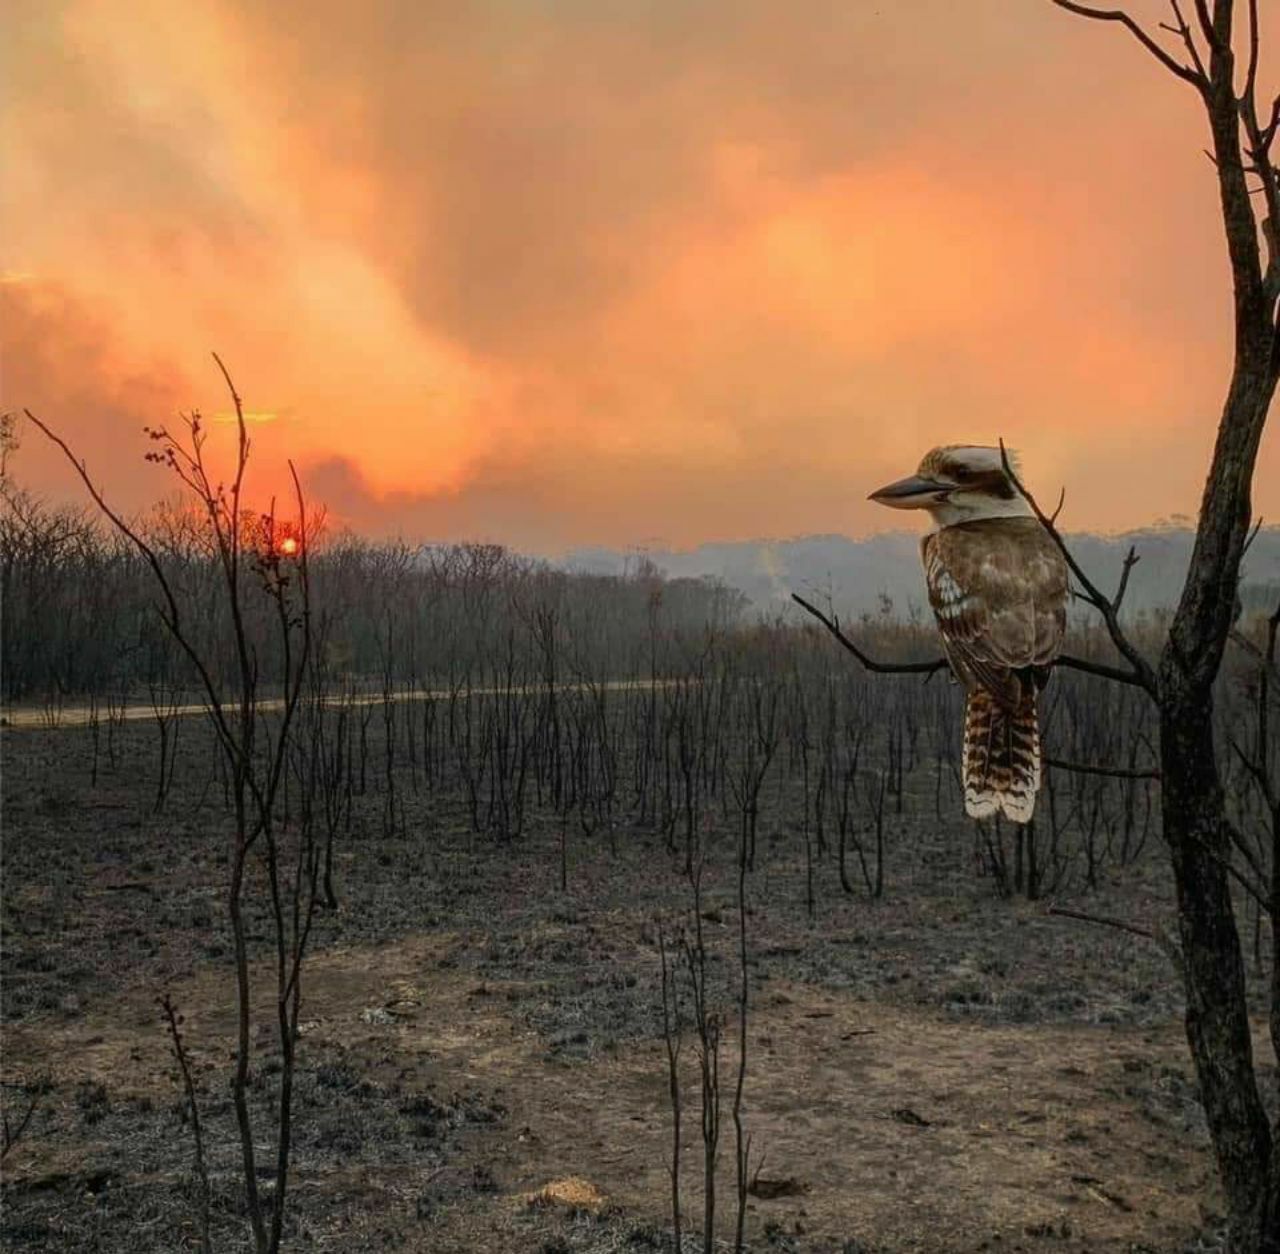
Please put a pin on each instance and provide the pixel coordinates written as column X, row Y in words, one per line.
column 254, row 741
column 1196, row 825
column 173, row 1021
column 1219, row 60
column 672, row 1036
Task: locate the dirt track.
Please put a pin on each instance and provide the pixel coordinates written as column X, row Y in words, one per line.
column 53, row 717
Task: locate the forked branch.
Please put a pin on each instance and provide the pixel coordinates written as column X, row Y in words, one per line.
column 1193, row 74
column 1103, row 671
column 173, row 1021
column 1111, row 772
column 10, row 1133
column 169, row 611
column 880, row 668
column 1166, row 942
column 1140, row 672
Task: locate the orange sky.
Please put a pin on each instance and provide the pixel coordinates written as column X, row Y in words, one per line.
column 558, row 272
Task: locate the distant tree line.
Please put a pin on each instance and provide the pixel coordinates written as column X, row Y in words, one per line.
column 78, row 606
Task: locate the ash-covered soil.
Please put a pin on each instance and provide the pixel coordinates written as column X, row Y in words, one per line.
column 943, row 1069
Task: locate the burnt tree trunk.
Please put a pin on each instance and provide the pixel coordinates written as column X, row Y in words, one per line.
column 1217, row 1019
column 1196, row 826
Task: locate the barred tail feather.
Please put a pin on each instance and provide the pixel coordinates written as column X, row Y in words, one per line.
column 1001, row 756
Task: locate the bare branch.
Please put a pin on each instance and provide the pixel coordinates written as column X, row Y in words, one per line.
column 1251, row 73
column 1112, row 772
column 1113, row 673
column 1251, row 537
column 1130, row 561
column 11, row 1135
column 1185, row 72
column 1260, row 138
column 1062, row 500
column 231, row 387
column 881, row 668
column 1206, row 24
column 1257, row 770
column 1258, row 893
column 1273, row 122
column 1170, row 946
column 1184, row 31
column 173, row 1021
column 1101, row 669
column 1141, row 673
column 1239, row 638
column 1104, row 920
column 169, row 612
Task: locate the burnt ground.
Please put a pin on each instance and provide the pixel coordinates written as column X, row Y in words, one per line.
column 942, row 1070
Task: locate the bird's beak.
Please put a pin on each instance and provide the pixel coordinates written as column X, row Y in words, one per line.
column 912, row 493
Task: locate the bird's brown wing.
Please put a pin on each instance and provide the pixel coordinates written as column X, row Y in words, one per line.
column 998, row 589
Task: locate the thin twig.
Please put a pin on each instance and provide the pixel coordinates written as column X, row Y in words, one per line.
column 1170, row 946
column 1101, row 669
column 1131, row 559
column 1112, row 772
column 1188, row 39
column 1197, row 80
column 931, row 667
column 1103, row 920
column 174, row 1021
column 12, row 1135
column 881, row 668
column 169, row 612
column 1141, row 673
column 1206, row 25
column 1062, row 500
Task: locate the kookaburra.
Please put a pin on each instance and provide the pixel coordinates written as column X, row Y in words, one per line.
column 998, row 587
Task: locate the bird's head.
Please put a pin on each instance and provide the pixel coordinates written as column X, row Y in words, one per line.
column 958, row 483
